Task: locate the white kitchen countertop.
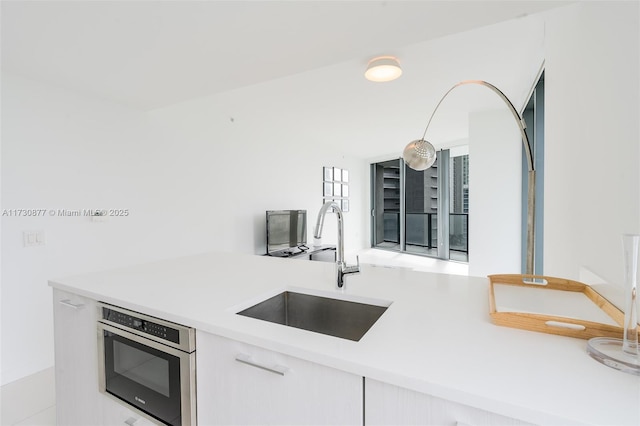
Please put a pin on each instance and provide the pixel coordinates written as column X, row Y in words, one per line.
column 436, row 336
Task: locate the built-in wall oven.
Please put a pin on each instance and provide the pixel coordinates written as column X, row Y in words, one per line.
column 148, row 364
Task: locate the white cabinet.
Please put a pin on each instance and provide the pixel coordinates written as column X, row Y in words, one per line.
column 244, row 384
column 386, row 404
column 76, row 359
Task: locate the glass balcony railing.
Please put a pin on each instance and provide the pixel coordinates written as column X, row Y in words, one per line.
column 391, row 227
column 459, row 232
column 422, row 232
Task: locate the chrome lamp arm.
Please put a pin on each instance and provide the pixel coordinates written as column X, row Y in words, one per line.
column 420, row 155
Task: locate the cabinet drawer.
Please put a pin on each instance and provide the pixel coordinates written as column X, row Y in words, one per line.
column 117, row 414
column 386, row 404
column 245, row 384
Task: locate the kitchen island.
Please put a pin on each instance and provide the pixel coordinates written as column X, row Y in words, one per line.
column 435, row 338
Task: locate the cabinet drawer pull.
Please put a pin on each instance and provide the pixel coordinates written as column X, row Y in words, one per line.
column 277, row 369
column 69, row 303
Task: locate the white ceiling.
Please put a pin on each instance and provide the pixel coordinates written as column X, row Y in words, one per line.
column 148, row 54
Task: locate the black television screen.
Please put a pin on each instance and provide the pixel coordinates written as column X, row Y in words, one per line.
column 286, row 229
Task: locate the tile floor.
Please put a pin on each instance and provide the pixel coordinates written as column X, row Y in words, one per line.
column 419, row 263
column 421, row 251
column 31, row 401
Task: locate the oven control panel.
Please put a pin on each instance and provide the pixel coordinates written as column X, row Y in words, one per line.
column 141, row 324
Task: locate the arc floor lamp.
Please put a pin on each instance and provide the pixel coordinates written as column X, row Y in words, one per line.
column 420, row 155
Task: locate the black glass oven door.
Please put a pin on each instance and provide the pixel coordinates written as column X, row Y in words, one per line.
column 146, row 377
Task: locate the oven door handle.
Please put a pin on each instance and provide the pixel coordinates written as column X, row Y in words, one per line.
column 277, row 369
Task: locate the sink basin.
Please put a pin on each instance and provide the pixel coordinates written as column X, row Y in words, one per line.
column 335, row 317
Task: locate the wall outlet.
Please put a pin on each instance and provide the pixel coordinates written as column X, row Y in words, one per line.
column 33, row 238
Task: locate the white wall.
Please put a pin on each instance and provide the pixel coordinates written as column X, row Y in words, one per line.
column 256, row 149
column 592, row 132
column 495, row 170
column 63, row 151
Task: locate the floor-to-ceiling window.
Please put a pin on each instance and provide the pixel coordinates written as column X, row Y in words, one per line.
column 386, row 195
column 422, row 212
column 459, row 204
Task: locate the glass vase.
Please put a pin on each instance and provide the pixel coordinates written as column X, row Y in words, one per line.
column 623, row 354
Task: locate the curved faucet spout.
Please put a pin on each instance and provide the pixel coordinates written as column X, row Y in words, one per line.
column 342, row 268
column 320, row 224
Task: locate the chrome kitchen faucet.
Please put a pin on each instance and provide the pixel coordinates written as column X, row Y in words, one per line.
column 342, row 269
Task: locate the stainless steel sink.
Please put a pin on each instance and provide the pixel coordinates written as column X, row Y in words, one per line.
column 339, row 318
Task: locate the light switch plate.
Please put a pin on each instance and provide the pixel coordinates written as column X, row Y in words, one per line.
column 33, row 238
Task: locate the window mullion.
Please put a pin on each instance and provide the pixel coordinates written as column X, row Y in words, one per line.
column 443, row 204
column 403, row 246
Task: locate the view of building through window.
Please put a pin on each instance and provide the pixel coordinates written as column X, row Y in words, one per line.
column 413, row 209
column 459, row 208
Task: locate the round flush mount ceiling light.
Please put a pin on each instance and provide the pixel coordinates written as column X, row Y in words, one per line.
column 383, row 68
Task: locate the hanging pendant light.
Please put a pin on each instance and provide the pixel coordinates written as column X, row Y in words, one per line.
column 419, row 155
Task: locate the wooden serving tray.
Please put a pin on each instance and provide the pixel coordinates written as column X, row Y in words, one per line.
column 559, row 306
